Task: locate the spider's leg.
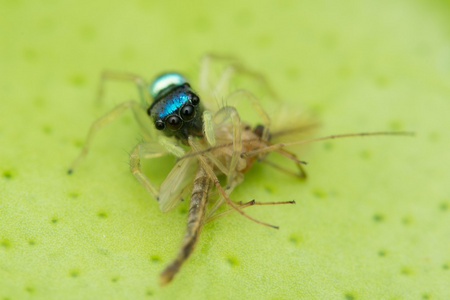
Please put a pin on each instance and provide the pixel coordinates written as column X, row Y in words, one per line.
column 250, row 97
column 140, row 82
column 102, row 121
column 147, row 150
column 233, row 68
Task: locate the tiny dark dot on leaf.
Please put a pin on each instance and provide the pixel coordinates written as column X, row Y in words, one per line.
column 434, row 137
column 73, row 195
column 269, row 189
column 74, row 273
column 47, row 129
column 382, row 81
column 5, row 244
column 349, row 296
column 295, row 239
column 102, row 215
column 365, row 154
column 78, row 143
column 378, row 218
column 396, row 125
column 77, row 80
column 292, row 73
column 407, row 220
column 30, row 54
column 327, row 146
column 7, row 174
column 232, row 261
column 319, row 193
column 39, row 102
column 155, row 259
column 87, row 32
column 407, row 271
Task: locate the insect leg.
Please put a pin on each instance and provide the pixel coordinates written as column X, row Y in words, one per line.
column 245, row 205
column 291, row 156
column 301, row 174
column 209, row 170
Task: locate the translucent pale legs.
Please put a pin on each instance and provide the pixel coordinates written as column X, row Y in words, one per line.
column 228, row 147
column 225, row 160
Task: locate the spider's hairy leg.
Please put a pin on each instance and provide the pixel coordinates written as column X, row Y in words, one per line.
column 140, row 83
column 253, row 100
column 147, row 150
column 102, row 121
column 233, row 68
column 230, row 113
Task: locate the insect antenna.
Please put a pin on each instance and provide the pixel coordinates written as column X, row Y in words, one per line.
column 330, row 137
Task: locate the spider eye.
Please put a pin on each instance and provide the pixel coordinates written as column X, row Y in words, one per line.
column 174, row 122
column 159, row 125
column 195, row 99
column 187, row 112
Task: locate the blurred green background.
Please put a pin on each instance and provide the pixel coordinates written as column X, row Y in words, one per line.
column 371, row 222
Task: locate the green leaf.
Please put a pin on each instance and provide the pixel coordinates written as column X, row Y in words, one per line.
column 371, row 222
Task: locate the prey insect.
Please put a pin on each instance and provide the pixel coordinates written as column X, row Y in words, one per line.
column 208, row 143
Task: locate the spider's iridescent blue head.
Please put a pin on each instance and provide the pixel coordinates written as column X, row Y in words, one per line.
column 176, row 108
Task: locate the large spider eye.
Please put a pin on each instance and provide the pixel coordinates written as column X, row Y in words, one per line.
column 174, row 122
column 159, row 125
column 195, row 99
column 187, row 112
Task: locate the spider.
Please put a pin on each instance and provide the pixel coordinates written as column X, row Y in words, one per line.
column 208, row 142
column 175, row 109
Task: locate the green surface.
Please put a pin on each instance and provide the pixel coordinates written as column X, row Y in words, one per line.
column 371, row 222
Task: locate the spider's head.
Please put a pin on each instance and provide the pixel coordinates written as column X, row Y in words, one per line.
column 176, row 108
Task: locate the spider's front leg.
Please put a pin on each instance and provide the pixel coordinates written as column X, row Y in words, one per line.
column 174, row 185
column 147, row 150
column 140, row 83
column 99, row 123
